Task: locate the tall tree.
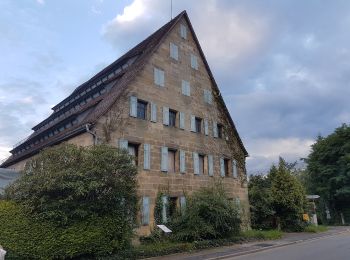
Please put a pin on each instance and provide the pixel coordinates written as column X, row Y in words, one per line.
column 329, row 169
column 278, row 199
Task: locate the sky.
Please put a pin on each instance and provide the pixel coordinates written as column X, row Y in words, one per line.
column 283, row 66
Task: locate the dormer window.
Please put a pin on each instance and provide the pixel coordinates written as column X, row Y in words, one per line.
column 183, row 31
column 174, row 51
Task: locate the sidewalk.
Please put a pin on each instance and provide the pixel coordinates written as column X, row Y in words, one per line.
column 246, row 248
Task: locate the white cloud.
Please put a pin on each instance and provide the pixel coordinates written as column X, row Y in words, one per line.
column 227, row 35
column 266, row 151
column 41, row 2
column 132, row 12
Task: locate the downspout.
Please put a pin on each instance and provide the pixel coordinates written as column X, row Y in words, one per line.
column 94, row 137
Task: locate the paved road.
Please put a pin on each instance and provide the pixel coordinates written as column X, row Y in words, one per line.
column 328, row 248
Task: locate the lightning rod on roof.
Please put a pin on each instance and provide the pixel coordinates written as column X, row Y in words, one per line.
column 171, row 9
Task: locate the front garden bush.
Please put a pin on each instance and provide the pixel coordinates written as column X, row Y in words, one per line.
column 209, row 214
column 71, row 201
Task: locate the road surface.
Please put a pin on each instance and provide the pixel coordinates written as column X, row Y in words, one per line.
column 335, row 247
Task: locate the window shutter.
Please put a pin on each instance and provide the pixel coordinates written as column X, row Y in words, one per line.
column 183, row 31
column 146, row 156
column 164, row 209
column 182, row 204
column 206, row 127
column 145, row 210
column 238, row 201
column 196, row 163
column 234, row 168
column 164, row 159
column 215, row 129
column 210, row 97
column 185, row 88
column 222, row 167
column 153, row 112
column 174, row 51
column 205, row 96
column 193, row 123
column 133, row 106
column 194, row 62
column 159, row 77
column 210, row 165
column 165, row 115
column 182, row 161
column 123, row 144
column 182, row 120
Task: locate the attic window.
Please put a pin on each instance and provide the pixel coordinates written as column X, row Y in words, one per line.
column 183, row 31
column 174, row 51
column 159, row 77
column 194, row 62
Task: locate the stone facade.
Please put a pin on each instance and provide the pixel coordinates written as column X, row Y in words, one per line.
column 158, row 135
column 227, row 153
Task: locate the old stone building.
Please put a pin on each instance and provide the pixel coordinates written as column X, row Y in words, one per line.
column 160, row 101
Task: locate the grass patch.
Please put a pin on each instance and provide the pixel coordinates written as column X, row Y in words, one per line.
column 157, row 248
column 262, row 234
column 315, row 229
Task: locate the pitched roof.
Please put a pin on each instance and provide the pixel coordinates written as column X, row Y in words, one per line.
column 92, row 99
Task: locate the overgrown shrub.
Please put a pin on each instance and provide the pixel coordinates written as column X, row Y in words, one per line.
column 71, row 201
column 25, row 237
column 67, row 183
column 209, row 214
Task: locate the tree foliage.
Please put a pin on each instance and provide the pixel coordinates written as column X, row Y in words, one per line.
column 277, row 200
column 67, row 183
column 328, row 169
column 209, row 214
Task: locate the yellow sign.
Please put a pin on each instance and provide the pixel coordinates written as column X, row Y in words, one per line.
column 306, row 217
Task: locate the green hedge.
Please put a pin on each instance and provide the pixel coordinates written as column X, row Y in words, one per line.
column 26, row 238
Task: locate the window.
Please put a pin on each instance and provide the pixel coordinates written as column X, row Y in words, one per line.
column 207, row 96
column 174, row 51
column 159, row 77
column 172, row 118
column 133, row 151
column 226, row 163
column 198, row 124
column 201, row 164
column 171, row 160
column 141, row 109
column 172, row 206
column 220, row 131
column 183, row 31
column 186, row 88
column 194, row 62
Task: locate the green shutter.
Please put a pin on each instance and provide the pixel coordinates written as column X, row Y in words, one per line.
column 146, row 156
